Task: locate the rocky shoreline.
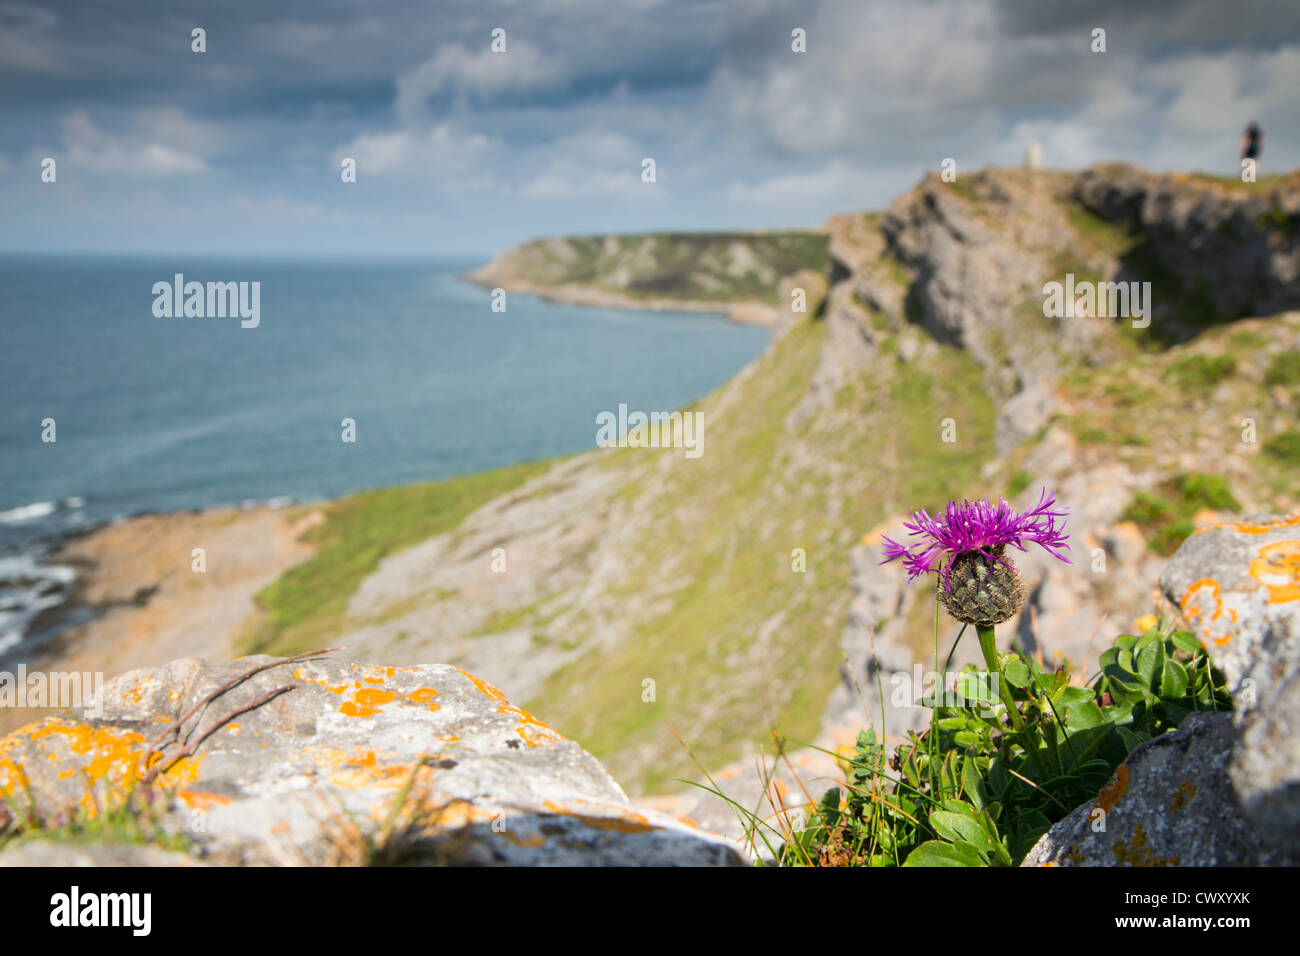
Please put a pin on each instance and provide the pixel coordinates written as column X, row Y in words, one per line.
column 136, row 598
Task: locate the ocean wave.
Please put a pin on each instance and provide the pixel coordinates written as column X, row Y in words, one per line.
column 29, row 585
column 32, row 512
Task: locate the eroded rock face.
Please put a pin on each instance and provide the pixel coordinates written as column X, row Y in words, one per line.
column 1222, row 789
column 1238, row 586
column 329, row 761
column 1243, row 251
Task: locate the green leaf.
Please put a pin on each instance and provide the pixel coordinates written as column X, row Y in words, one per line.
column 1073, row 695
column 938, row 853
column 948, row 773
column 1174, row 681
column 1131, row 740
column 1150, row 660
column 1124, row 688
column 1083, row 714
column 1185, row 641
column 973, row 784
column 1017, row 674
column 976, row 686
column 998, row 777
column 958, row 828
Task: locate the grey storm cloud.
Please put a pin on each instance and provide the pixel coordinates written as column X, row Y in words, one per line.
column 746, row 133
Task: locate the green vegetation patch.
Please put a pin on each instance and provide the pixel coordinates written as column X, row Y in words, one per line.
column 981, row 786
column 1165, row 515
column 1201, row 371
column 131, row 817
column 1284, row 369
column 307, row 604
column 1284, row 447
column 1279, row 220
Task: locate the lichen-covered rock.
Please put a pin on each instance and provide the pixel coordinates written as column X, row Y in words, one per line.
column 1222, row 789
column 327, row 761
column 39, row 852
column 1238, row 586
column 1170, row 804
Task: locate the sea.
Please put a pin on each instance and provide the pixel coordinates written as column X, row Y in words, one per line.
column 110, row 409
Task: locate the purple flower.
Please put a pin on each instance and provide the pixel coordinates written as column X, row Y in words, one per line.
column 977, row 526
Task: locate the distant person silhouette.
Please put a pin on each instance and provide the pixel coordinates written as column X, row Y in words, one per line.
column 1252, row 142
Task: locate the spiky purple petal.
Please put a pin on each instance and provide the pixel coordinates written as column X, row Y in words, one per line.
column 978, row 526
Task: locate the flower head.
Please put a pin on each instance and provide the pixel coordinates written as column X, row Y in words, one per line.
column 977, row 527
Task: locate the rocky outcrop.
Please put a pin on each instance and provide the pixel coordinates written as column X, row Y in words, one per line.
column 1240, row 248
column 1238, row 586
column 1221, row 789
column 978, row 254
column 1169, row 804
column 315, row 761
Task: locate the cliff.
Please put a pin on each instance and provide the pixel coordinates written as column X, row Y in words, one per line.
column 721, row 595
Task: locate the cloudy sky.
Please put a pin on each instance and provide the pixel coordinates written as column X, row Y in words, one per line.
column 461, row 150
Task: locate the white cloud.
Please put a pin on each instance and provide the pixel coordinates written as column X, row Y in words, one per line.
column 837, row 179
column 592, row 163
column 442, row 152
column 868, row 68
column 521, row 68
column 163, row 143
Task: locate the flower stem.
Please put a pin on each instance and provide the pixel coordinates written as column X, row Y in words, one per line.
column 989, row 647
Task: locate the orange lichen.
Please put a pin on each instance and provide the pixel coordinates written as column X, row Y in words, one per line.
column 531, row 730
column 1278, row 569
column 1195, row 613
column 364, row 701
column 1184, row 793
column 625, row 821
column 98, row 754
column 234, row 729
column 424, row 695
column 367, row 758
column 1115, row 787
column 531, row 842
column 1257, row 527
column 1137, row 853
column 202, row 800
column 133, row 693
column 391, row 776
column 361, row 769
